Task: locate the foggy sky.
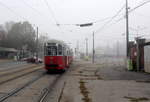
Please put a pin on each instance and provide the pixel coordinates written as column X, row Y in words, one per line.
column 77, row 12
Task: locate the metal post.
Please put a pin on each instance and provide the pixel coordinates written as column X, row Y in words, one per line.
column 117, row 49
column 127, row 30
column 77, row 49
column 37, row 45
column 93, row 57
column 86, row 46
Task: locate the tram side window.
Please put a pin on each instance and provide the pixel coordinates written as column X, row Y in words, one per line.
column 52, row 50
column 59, row 49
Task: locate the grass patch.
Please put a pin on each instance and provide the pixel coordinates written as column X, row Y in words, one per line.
column 84, row 91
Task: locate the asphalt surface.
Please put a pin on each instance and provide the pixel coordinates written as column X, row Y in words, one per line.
column 115, row 69
column 104, row 81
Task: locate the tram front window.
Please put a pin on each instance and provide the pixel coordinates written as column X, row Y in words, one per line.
column 52, row 50
column 59, row 50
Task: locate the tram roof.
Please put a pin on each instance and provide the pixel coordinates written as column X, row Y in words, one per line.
column 57, row 42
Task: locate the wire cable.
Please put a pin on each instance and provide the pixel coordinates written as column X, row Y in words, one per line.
column 111, row 19
column 25, row 3
column 130, row 11
column 140, row 5
column 15, row 13
column 77, row 24
column 50, row 10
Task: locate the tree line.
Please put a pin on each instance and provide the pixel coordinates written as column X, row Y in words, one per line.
column 19, row 35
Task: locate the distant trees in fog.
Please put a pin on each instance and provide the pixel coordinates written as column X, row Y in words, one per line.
column 18, row 35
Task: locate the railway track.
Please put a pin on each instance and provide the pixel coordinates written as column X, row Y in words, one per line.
column 10, row 70
column 12, row 67
column 13, row 92
column 25, row 88
column 6, row 77
column 9, row 65
column 48, row 89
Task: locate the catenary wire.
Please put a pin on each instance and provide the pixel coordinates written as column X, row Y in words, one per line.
column 111, row 19
column 50, row 10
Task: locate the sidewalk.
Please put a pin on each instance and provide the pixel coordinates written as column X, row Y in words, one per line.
column 87, row 82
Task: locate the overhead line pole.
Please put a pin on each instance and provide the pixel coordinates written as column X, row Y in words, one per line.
column 86, row 46
column 93, row 57
column 37, row 44
column 127, row 30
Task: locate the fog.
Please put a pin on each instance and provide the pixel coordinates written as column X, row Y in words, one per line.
column 71, row 12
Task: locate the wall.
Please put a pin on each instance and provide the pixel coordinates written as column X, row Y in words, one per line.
column 147, row 58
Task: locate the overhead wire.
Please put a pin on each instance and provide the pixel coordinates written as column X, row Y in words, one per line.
column 51, row 10
column 15, row 13
column 130, row 11
column 140, row 5
column 12, row 11
column 53, row 15
column 77, row 24
column 113, row 17
column 28, row 5
column 34, row 9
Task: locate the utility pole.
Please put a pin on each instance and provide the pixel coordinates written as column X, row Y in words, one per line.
column 37, row 44
column 93, row 57
column 86, row 46
column 117, row 48
column 127, row 30
column 77, row 49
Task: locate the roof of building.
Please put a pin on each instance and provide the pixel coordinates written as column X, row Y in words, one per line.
column 8, row 49
column 147, row 42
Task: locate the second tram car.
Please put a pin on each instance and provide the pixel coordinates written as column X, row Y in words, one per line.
column 57, row 55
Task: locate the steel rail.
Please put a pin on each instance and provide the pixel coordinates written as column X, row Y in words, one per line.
column 48, row 89
column 14, row 70
column 3, row 98
column 13, row 66
column 20, row 75
column 6, row 66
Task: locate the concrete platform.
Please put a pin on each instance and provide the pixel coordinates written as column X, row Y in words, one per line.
column 86, row 82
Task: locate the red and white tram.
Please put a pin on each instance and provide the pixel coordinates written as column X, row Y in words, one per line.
column 57, row 55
